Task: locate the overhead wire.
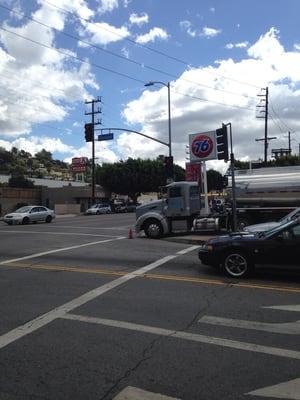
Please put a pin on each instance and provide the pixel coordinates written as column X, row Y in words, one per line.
column 138, row 63
column 134, row 42
column 67, row 54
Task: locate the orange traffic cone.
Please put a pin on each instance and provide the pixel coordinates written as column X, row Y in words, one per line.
column 130, row 235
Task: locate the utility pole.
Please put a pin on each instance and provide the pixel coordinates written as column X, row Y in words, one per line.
column 265, row 111
column 93, row 113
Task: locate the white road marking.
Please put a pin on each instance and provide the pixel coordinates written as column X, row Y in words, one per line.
column 60, row 311
column 291, row 307
column 133, row 393
column 193, row 337
column 45, row 253
column 120, row 228
column 184, row 251
column 287, row 390
column 59, row 233
column 288, row 328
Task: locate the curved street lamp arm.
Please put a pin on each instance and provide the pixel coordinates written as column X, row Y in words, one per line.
column 138, row 133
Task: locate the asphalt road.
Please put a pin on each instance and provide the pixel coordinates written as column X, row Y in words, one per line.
column 87, row 313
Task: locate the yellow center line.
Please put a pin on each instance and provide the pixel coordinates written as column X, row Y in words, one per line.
column 177, row 278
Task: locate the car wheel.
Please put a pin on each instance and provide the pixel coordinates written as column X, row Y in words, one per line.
column 48, row 219
column 236, row 264
column 25, row 221
column 153, row 229
column 9, row 222
column 97, row 212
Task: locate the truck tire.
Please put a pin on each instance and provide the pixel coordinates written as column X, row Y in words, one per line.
column 242, row 223
column 153, row 229
column 236, row 264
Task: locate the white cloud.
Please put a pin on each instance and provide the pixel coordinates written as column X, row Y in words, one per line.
column 103, row 33
column 240, row 45
column 152, row 35
column 139, row 20
column 268, row 46
column 297, row 46
column 212, row 9
column 125, row 52
column 41, row 83
column 210, row 32
column 107, row 6
column 126, row 3
column 188, row 27
column 189, row 115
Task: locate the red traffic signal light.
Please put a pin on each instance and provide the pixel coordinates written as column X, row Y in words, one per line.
column 89, row 132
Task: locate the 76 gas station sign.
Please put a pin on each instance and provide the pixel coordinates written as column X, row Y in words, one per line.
column 203, row 146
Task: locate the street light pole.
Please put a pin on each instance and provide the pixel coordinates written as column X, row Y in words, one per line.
column 169, row 114
column 151, row 83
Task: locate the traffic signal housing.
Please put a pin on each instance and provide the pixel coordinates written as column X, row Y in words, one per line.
column 222, row 143
column 89, row 132
column 169, row 167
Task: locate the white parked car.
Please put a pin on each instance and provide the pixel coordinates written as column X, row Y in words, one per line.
column 266, row 226
column 97, row 209
column 27, row 214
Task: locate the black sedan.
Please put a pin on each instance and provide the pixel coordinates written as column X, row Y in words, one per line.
column 238, row 253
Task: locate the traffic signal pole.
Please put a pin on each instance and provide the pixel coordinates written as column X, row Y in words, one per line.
column 233, row 188
column 98, row 100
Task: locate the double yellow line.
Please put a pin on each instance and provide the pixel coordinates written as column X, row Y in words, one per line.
column 177, row 278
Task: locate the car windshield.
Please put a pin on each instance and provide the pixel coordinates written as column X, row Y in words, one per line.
column 292, row 215
column 276, row 229
column 23, row 210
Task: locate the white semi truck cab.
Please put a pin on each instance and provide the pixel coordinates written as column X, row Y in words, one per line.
column 174, row 212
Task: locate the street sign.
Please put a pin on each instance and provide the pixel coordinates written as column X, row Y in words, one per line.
column 106, row 136
column 202, row 146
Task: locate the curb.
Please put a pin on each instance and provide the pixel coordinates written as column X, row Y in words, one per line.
column 188, row 239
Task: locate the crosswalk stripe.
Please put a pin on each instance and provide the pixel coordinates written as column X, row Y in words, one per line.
column 133, row 393
column 287, row 390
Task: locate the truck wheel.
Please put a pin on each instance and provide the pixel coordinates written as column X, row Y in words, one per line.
column 153, row 229
column 242, row 223
column 236, row 264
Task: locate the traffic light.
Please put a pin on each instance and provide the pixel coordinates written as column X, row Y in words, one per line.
column 89, row 132
column 169, row 167
column 222, row 143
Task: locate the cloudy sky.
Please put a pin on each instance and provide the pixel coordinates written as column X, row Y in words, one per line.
column 218, row 57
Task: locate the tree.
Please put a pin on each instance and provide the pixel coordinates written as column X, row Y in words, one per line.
column 214, row 180
column 19, row 181
column 134, row 176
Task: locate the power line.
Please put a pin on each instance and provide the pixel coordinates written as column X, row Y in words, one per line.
column 283, row 123
column 185, row 63
column 140, row 64
column 107, row 69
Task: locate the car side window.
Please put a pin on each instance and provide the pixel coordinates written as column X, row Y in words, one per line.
column 35, row 209
column 296, row 231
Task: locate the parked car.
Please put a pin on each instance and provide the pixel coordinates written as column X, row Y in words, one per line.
column 98, row 208
column 123, row 208
column 265, row 226
column 27, row 214
column 237, row 254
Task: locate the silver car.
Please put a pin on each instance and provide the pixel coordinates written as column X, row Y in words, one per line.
column 266, row 226
column 27, row 214
column 99, row 209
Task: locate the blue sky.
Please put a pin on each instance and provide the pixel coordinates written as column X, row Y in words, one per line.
column 217, row 55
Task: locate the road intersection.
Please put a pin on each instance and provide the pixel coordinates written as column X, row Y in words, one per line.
column 87, row 313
